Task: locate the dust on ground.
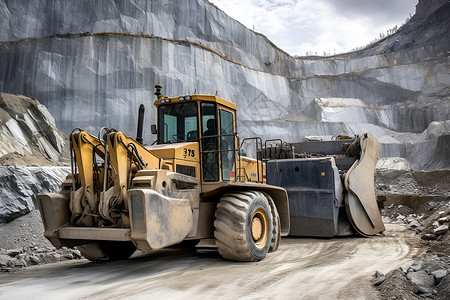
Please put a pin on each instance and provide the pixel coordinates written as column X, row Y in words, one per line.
column 354, row 266
column 306, row 268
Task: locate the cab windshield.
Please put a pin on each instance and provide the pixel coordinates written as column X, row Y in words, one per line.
column 177, row 123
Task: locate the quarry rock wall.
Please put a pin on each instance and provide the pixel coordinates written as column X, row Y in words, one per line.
column 92, row 65
column 425, row 8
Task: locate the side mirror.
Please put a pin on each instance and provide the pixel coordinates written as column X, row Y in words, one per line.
column 153, row 128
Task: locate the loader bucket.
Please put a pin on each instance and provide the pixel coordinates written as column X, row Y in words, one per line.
column 320, row 203
column 54, row 209
column 360, row 200
column 315, row 194
column 158, row 221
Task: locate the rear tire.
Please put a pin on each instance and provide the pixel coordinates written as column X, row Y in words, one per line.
column 276, row 234
column 107, row 250
column 243, row 226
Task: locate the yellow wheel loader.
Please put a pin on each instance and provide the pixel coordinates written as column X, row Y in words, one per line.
column 192, row 185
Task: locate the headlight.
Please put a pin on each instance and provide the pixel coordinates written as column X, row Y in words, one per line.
column 187, row 97
column 181, row 98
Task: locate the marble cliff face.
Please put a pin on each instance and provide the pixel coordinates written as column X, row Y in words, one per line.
column 92, row 65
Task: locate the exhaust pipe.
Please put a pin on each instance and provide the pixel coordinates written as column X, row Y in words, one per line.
column 140, row 124
column 158, row 89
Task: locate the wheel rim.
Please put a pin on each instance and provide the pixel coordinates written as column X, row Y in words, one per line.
column 259, row 229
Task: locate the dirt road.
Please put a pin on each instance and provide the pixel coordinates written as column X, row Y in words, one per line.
column 301, row 269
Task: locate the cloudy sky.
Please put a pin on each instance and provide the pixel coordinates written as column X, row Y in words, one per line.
column 300, row 26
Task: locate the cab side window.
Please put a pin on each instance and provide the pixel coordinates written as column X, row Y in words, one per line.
column 227, row 146
column 209, row 142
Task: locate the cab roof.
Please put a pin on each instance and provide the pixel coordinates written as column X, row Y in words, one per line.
column 209, row 98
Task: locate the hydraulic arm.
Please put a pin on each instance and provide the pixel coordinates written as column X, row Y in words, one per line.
column 86, row 185
column 126, row 157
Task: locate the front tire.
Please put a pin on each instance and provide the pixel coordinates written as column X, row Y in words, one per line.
column 107, row 250
column 243, row 226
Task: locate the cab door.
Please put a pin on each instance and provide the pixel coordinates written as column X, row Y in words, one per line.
column 227, row 143
column 209, row 142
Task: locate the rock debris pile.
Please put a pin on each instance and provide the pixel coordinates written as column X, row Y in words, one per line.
column 32, row 151
column 429, row 276
column 437, row 227
column 28, row 133
column 23, row 244
column 418, row 219
column 411, row 187
column 14, row 259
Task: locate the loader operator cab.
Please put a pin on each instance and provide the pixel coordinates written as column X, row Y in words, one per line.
column 208, row 120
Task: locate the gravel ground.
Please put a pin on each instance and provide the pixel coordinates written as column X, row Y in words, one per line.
column 24, row 231
column 23, row 243
column 302, row 268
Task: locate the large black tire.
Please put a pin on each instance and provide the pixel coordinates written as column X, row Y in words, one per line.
column 276, row 234
column 243, row 226
column 107, row 250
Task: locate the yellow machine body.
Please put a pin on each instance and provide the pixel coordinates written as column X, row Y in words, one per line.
column 122, row 195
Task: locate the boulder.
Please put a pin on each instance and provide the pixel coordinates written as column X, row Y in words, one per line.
column 440, row 230
column 422, row 280
column 439, row 275
column 20, row 185
column 443, row 289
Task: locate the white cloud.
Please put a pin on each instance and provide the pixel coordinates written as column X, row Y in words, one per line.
column 300, row 26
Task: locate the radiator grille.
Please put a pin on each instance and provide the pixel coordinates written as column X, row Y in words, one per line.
column 186, row 170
